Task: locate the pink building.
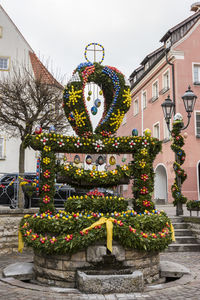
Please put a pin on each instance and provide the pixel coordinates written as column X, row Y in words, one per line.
column 151, row 83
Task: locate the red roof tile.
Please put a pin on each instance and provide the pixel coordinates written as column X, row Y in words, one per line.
column 41, row 72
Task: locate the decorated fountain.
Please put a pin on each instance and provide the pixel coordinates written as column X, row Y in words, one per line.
column 98, row 244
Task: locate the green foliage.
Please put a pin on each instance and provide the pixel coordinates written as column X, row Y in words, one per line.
column 100, row 204
column 192, row 204
column 91, row 178
column 63, row 233
column 178, row 143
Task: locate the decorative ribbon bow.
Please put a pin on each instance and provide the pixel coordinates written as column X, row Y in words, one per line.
column 109, row 228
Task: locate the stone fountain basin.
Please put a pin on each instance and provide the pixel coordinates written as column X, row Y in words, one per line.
column 91, row 282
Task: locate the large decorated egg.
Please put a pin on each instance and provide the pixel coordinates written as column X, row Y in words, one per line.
column 97, row 102
column 112, row 160
column 88, row 159
column 77, row 159
column 71, row 116
column 94, row 110
column 147, row 132
column 38, row 129
column 100, row 160
column 52, row 129
column 134, row 132
column 178, row 117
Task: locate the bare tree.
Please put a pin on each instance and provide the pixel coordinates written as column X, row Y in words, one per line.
column 26, row 101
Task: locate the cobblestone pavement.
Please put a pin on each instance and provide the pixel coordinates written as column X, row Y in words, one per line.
column 187, row 287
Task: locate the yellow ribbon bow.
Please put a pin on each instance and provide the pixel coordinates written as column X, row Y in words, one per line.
column 20, row 242
column 109, row 228
column 173, row 234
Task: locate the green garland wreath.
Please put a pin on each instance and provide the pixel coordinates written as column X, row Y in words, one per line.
column 115, row 91
column 64, row 232
column 177, row 147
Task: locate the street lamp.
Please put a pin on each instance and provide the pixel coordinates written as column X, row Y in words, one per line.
column 168, row 106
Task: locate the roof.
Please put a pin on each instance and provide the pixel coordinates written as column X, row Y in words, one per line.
column 157, row 51
column 194, row 18
column 41, row 72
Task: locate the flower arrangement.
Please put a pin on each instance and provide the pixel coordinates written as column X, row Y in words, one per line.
column 87, row 178
column 178, row 143
column 116, row 94
column 64, row 232
column 193, row 205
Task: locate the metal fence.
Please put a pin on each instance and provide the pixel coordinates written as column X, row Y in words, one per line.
column 9, row 191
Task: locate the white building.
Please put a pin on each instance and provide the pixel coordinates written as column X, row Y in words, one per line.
column 15, row 50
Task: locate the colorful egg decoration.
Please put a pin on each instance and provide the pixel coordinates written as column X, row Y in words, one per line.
column 88, row 159
column 134, row 132
column 123, row 159
column 94, row 110
column 100, row 160
column 90, row 93
column 52, row 129
column 77, row 159
column 112, row 160
column 185, row 135
column 147, row 132
column 93, row 168
column 97, row 102
column 71, row 116
column 88, row 98
column 101, row 92
column 178, row 117
column 38, row 129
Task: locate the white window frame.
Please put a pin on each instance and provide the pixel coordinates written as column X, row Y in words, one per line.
column 193, row 65
column 2, row 154
column 155, row 97
column 195, row 120
column 154, row 125
column 8, row 63
column 165, row 130
column 142, row 97
column 136, row 113
column 166, row 88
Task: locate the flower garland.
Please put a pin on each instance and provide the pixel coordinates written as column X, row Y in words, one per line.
column 116, row 94
column 65, row 233
column 178, row 143
column 93, row 178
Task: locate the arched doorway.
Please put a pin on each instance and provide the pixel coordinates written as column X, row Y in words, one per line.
column 160, row 184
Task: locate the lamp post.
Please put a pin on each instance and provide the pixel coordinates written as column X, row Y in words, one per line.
column 168, row 106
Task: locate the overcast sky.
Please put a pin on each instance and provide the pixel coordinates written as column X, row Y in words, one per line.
column 59, row 30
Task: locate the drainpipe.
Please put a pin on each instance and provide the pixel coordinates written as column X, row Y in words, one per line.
column 173, row 79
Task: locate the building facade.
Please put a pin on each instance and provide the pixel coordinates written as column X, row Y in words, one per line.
column 178, row 58
column 15, row 52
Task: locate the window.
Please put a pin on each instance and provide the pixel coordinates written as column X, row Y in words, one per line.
column 196, row 73
column 144, row 99
column 125, row 187
column 197, row 124
column 166, row 81
column 166, row 131
column 155, row 91
column 4, row 63
column 156, row 130
column 1, row 147
column 135, row 107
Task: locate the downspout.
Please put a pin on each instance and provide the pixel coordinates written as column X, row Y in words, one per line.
column 173, row 79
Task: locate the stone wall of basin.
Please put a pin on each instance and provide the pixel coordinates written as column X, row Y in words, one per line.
column 9, row 224
column 62, row 270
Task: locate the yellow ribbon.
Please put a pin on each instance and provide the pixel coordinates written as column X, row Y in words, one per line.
column 20, row 242
column 109, row 228
column 173, row 234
